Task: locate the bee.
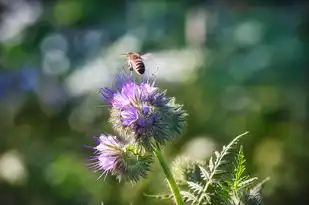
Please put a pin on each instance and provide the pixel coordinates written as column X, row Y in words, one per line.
column 135, row 62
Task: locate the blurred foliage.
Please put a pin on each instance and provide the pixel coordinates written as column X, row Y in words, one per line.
column 252, row 75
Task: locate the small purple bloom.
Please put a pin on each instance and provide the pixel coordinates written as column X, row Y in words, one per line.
column 112, row 156
column 107, row 153
column 142, row 112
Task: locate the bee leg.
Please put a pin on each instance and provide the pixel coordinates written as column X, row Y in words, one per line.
column 144, row 78
column 154, row 76
column 131, row 70
column 125, row 70
column 155, row 73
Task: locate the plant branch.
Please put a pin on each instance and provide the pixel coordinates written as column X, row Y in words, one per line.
column 171, row 181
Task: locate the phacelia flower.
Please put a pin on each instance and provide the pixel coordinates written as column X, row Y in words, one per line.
column 112, row 156
column 141, row 112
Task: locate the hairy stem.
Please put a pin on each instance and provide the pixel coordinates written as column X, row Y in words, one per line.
column 171, row 181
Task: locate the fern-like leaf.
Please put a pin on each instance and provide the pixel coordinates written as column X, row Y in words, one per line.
column 188, row 197
column 215, row 186
column 195, row 187
column 246, row 183
column 214, row 166
column 204, row 173
column 236, row 190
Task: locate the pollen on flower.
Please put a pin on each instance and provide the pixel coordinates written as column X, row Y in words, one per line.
column 141, row 112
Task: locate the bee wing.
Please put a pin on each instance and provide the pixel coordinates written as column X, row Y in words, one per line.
column 151, row 65
column 149, row 60
column 147, row 56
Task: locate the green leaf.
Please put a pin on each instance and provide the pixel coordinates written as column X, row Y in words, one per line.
column 195, row 187
column 188, row 197
column 204, row 173
column 246, row 183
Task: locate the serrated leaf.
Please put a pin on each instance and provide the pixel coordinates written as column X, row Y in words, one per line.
column 247, row 182
column 198, row 193
column 220, row 171
column 258, row 187
column 217, row 154
column 211, row 164
column 214, row 167
column 204, row 198
column 204, row 173
column 188, row 197
column 195, row 187
column 224, row 162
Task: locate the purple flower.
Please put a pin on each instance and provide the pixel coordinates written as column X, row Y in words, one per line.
column 119, row 159
column 142, row 112
column 107, row 153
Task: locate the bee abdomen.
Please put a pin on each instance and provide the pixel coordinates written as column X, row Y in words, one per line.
column 140, row 67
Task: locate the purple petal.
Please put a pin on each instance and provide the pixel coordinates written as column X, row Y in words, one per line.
column 107, row 94
column 147, row 88
column 128, row 90
column 120, row 101
column 121, row 80
column 129, row 116
column 106, row 163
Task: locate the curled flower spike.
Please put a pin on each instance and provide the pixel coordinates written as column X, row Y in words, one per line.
column 112, row 156
column 141, row 112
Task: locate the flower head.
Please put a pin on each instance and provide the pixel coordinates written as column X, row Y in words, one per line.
column 141, row 112
column 117, row 158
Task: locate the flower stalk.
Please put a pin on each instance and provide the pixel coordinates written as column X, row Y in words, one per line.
column 171, row 181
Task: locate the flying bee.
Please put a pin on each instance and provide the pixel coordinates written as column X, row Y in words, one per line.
column 135, row 62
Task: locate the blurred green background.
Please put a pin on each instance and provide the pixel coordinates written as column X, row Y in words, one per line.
column 235, row 65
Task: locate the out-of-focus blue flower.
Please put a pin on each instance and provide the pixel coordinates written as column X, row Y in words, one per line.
column 23, row 79
column 117, row 158
column 141, row 112
column 28, row 77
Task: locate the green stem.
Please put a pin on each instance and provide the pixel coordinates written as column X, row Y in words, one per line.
column 168, row 175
